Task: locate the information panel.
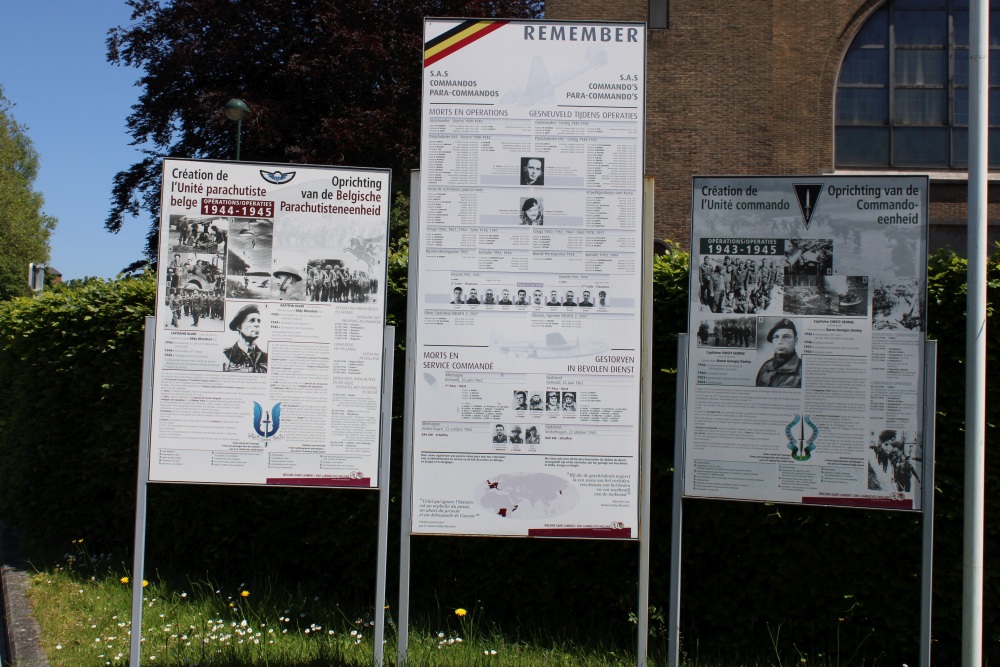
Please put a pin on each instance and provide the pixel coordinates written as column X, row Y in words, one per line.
column 270, row 312
column 807, row 321
column 526, row 386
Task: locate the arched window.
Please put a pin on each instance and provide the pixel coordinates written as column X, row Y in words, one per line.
column 903, row 94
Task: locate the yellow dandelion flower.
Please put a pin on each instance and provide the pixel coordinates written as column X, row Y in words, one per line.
column 124, row 580
column 245, row 594
column 145, row 583
column 460, row 612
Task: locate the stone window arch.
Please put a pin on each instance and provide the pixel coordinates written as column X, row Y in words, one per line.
column 902, row 99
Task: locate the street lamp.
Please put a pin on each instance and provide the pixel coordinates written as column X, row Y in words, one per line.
column 237, row 110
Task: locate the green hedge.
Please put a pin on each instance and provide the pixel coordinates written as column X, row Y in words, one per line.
column 70, row 362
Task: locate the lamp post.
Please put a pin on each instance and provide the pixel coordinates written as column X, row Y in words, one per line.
column 237, row 110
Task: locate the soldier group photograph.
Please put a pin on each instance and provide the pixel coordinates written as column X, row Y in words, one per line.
column 330, row 280
column 735, row 284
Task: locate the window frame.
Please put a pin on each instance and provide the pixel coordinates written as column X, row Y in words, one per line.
column 889, row 142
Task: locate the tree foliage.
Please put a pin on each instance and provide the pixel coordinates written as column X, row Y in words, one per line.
column 24, row 228
column 327, row 82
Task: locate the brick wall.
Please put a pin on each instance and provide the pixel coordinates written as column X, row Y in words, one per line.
column 743, row 87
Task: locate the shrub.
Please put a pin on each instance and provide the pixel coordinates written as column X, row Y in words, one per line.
column 71, row 366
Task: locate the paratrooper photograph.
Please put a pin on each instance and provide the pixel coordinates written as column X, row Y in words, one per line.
column 248, row 270
column 332, row 280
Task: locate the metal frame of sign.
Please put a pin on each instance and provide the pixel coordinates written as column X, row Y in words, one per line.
column 529, row 288
column 929, row 397
column 807, row 315
column 143, row 481
column 271, row 300
column 270, row 335
column 530, row 185
column 839, row 264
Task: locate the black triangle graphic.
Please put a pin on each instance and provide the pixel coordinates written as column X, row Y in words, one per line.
column 807, row 195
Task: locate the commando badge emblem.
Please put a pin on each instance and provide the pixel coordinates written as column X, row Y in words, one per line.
column 266, row 423
column 800, row 447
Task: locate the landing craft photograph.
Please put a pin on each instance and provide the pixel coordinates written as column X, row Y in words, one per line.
column 831, row 295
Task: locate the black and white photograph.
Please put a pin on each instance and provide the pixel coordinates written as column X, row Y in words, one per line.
column 246, row 350
column 806, row 260
column 531, row 211
column 331, row 280
column 552, row 402
column 194, row 292
column 536, row 402
column 831, row 295
column 198, row 234
column 288, row 283
column 896, row 305
column 740, row 284
column 520, row 400
column 532, row 171
column 894, row 461
column 531, row 436
column 248, row 264
column 740, row 332
column 569, row 401
column 193, row 308
column 780, row 360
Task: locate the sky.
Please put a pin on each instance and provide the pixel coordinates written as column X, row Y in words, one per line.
column 74, row 104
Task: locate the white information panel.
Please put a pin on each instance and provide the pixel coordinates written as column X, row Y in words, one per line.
column 270, row 311
column 807, row 323
column 530, row 257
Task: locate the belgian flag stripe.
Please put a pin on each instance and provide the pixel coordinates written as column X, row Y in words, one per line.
column 461, row 35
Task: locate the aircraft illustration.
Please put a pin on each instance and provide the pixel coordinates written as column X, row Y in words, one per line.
column 555, row 346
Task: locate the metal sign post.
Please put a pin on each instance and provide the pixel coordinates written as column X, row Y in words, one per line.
column 677, row 517
column 645, row 437
column 384, row 474
column 975, row 338
column 142, row 484
column 406, row 512
column 927, row 546
column 272, row 308
column 808, row 303
column 138, row 563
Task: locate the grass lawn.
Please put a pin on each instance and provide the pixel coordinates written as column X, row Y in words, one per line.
column 85, row 619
